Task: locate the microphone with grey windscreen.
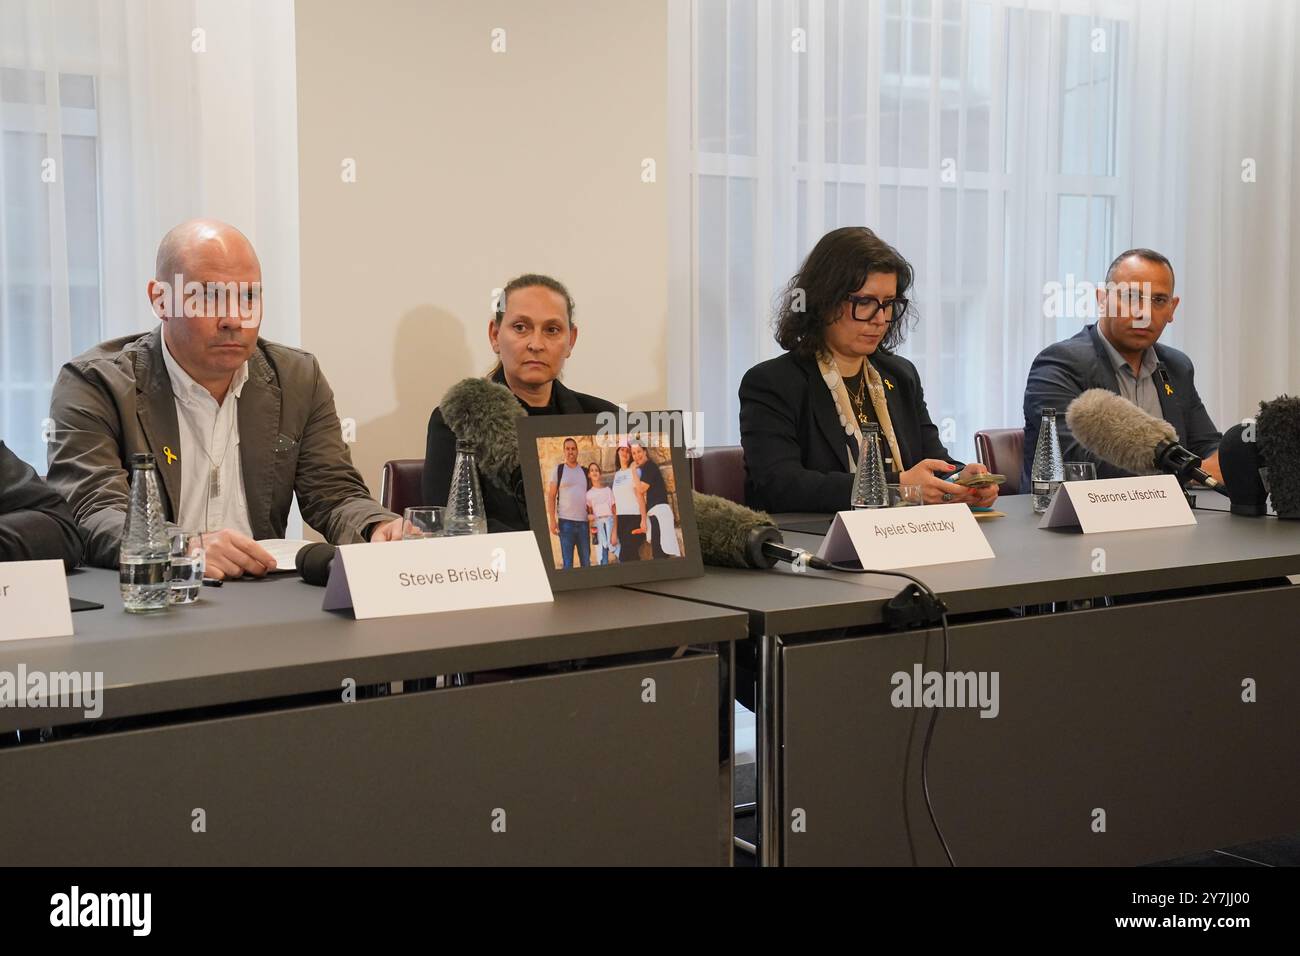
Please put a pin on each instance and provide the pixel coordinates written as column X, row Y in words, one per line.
column 733, row 536
column 1118, row 432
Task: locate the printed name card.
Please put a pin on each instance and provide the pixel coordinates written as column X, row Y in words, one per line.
column 437, row 574
column 889, row 538
column 1119, row 504
column 34, row 600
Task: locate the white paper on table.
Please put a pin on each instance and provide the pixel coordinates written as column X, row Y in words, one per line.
column 285, row 551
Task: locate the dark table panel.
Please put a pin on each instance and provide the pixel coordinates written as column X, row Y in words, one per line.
column 1135, row 710
column 252, row 640
column 581, row 768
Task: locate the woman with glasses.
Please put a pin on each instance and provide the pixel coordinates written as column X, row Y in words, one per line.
column 802, row 413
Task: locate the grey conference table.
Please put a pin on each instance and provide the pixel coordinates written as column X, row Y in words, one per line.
column 1121, row 737
column 226, row 739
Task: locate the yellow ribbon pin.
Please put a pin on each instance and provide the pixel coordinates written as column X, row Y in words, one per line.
column 1169, row 389
column 889, row 385
column 171, row 456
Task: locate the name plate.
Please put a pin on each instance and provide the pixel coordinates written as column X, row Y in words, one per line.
column 889, row 538
column 34, row 600
column 1119, row 504
column 396, row 578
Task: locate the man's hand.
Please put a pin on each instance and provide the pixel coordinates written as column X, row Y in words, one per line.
column 388, row 531
column 1211, row 467
column 229, row 554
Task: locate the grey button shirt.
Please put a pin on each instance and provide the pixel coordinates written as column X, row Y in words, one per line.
column 1139, row 389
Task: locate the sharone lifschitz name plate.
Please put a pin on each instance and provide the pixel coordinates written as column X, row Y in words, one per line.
column 1119, row 504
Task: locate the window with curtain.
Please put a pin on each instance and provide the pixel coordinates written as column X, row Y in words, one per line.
column 49, row 241
column 983, row 139
column 120, row 119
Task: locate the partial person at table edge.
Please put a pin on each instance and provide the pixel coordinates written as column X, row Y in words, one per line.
column 841, row 318
column 36, row 524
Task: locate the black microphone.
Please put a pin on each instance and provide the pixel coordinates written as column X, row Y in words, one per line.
column 1118, row 432
column 314, row 561
column 1239, row 461
column 733, row 536
column 1278, row 427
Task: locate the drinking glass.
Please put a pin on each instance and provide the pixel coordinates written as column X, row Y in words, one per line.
column 423, row 522
column 187, row 567
column 905, row 496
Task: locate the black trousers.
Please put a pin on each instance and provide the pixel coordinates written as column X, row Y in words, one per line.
column 628, row 543
column 658, row 536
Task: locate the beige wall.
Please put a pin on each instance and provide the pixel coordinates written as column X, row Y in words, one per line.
column 472, row 167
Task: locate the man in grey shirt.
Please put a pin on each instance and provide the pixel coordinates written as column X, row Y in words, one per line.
column 1121, row 353
column 566, row 506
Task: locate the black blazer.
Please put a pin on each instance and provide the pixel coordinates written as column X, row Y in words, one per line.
column 506, row 510
column 1065, row 370
column 35, row 522
column 795, row 457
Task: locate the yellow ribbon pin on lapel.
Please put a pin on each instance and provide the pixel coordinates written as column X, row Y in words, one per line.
column 171, row 456
column 889, row 385
column 1169, row 389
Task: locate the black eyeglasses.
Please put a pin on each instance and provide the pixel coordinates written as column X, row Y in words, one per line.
column 867, row 307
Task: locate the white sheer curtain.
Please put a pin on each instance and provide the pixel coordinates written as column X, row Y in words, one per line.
column 1009, row 149
column 121, row 118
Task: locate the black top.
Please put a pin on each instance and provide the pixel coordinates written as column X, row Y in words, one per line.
column 35, row 522
column 505, row 510
column 657, row 493
column 795, row 454
column 1065, row 370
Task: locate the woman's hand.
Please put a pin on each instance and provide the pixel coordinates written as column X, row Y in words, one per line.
column 980, row 497
column 933, row 488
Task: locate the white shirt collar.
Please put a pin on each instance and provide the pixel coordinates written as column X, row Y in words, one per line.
column 186, row 389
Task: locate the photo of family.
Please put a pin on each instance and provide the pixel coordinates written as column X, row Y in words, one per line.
column 610, row 499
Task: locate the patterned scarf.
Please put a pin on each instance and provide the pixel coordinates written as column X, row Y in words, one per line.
column 849, row 418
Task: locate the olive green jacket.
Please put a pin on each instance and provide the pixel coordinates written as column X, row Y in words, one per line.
column 116, row 400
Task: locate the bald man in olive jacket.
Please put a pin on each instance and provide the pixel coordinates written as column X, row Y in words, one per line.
column 237, row 425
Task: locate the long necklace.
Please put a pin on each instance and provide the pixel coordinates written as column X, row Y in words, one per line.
column 214, row 473
column 860, row 400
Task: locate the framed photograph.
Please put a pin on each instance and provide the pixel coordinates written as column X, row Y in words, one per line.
column 609, row 506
